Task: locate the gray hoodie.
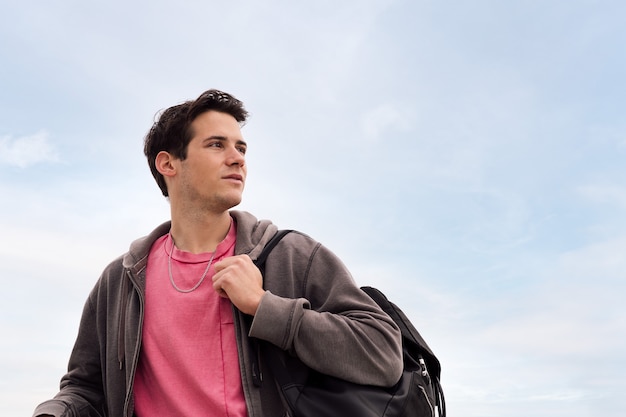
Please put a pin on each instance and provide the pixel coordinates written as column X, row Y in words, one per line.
column 313, row 309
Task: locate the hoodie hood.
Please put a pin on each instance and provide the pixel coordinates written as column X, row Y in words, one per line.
column 252, row 235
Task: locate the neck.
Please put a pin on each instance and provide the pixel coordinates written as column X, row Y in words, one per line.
column 200, row 234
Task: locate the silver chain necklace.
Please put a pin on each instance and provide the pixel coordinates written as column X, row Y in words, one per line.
column 169, row 268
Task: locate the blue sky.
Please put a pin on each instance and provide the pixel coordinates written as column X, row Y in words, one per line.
column 466, row 157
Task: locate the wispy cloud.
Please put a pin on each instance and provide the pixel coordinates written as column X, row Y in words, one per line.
column 26, row 151
column 466, row 157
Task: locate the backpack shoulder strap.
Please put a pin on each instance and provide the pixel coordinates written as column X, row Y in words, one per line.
column 260, row 261
column 257, row 376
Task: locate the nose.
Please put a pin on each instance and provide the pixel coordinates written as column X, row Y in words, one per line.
column 235, row 157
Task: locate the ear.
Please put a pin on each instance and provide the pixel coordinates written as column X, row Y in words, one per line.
column 164, row 164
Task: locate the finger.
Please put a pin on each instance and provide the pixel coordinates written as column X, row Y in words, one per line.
column 217, row 286
column 218, row 266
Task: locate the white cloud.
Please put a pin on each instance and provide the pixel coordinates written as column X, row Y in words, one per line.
column 460, row 219
column 26, row 151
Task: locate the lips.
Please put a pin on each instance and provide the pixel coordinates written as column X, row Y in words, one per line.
column 234, row 177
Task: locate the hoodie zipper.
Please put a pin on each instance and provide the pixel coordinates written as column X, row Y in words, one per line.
column 129, row 402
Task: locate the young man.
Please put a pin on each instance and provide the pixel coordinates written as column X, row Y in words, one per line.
column 166, row 329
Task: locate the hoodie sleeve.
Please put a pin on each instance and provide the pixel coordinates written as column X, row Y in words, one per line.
column 314, row 309
column 81, row 392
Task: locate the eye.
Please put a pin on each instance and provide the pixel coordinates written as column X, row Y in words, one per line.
column 214, row 144
column 242, row 149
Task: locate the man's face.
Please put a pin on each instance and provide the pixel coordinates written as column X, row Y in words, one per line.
column 214, row 173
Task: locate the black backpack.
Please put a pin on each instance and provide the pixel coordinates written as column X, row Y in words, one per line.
column 312, row 394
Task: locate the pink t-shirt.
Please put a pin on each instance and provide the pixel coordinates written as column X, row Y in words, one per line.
column 189, row 364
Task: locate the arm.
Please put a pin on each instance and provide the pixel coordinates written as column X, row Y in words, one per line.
column 81, row 388
column 315, row 310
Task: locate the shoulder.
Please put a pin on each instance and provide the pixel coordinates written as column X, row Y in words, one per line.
column 110, row 278
column 303, row 261
column 137, row 254
column 133, row 261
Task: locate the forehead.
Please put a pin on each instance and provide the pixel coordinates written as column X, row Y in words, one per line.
column 215, row 123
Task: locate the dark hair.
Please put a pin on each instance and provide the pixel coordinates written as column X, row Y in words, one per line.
column 171, row 132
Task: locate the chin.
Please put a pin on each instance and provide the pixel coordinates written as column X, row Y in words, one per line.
column 229, row 203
